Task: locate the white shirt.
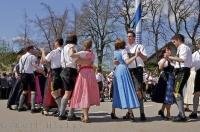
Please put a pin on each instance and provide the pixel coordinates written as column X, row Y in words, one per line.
column 184, row 52
column 145, row 76
column 99, row 77
column 133, row 49
column 54, row 57
column 66, row 60
column 196, row 60
column 26, row 63
column 166, row 63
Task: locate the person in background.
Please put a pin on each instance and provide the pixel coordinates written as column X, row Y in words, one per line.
column 196, row 64
column 100, row 80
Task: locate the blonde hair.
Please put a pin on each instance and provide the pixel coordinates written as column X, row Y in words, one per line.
column 87, row 44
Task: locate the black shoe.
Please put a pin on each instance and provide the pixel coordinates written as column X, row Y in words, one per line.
column 45, row 112
column 127, row 116
column 132, row 118
column 102, row 100
column 62, row 117
column 113, row 116
column 161, row 113
column 56, row 114
column 193, row 116
column 10, row 107
column 179, row 119
column 143, row 117
column 167, row 118
column 187, row 110
column 21, row 109
column 73, row 118
column 35, row 110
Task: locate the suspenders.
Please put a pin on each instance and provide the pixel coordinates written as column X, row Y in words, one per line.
column 178, row 56
column 64, row 57
column 136, row 57
column 198, row 51
column 23, row 64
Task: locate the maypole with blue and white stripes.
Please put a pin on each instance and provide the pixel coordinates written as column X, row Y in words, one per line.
column 138, row 21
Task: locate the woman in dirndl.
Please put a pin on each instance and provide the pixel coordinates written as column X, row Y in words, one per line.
column 163, row 92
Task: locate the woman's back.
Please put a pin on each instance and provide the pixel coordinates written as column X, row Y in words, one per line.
column 118, row 56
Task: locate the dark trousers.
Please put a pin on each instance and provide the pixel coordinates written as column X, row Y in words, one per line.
column 137, row 77
column 197, row 81
column 15, row 93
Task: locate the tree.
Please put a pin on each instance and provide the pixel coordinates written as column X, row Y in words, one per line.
column 53, row 26
column 125, row 12
column 97, row 22
column 7, row 55
column 24, row 38
column 178, row 10
column 154, row 24
column 192, row 23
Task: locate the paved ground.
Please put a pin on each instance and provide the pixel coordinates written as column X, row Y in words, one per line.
column 13, row 121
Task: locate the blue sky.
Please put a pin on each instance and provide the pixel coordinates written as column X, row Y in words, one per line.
column 12, row 11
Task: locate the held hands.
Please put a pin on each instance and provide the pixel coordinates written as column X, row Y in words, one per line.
column 42, row 50
column 139, row 93
column 166, row 56
column 116, row 62
column 138, row 53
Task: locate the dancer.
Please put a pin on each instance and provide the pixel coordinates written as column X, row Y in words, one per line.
column 86, row 92
column 136, row 69
column 27, row 66
column 54, row 58
column 183, row 63
column 68, row 76
column 196, row 64
column 124, row 93
column 163, row 92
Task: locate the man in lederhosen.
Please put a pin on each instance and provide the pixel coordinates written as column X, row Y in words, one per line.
column 182, row 72
column 68, row 75
column 27, row 66
column 196, row 65
column 54, row 58
column 136, row 69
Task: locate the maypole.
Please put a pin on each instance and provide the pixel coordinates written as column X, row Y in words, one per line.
column 138, row 21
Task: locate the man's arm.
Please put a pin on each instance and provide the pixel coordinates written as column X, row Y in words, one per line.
column 73, row 53
column 83, row 61
column 143, row 57
column 175, row 58
column 142, row 53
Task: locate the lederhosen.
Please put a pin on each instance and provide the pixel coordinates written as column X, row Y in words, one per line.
column 181, row 76
column 56, row 78
column 137, row 74
column 28, row 80
column 68, row 76
column 197, row 80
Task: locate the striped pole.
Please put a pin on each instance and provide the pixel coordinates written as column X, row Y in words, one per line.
column 138, row 21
